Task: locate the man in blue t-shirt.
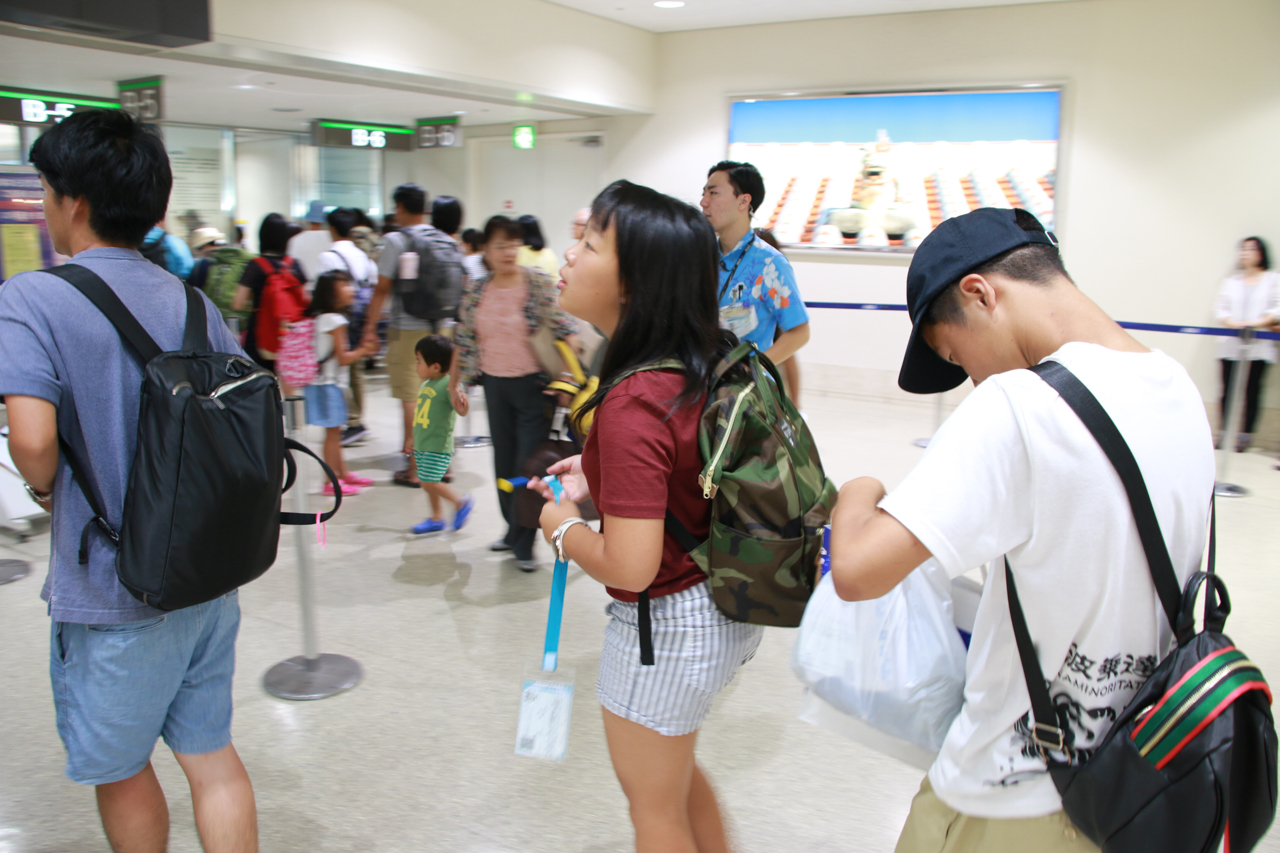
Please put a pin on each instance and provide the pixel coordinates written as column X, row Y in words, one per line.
column 758, row 292
column 124, row 674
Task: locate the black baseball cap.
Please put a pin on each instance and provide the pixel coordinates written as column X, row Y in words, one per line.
column 954, row 249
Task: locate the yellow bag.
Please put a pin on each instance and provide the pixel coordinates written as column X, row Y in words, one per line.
column 580, row 388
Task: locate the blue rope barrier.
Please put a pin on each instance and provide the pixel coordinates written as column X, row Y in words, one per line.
column 1213, row 331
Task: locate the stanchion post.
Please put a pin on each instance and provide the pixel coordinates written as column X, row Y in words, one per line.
column 937, row 420
column 311, row 675
column 470, row 439
column 1224, row 488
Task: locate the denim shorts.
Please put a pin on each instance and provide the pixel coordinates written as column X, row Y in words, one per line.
column 326, row 406
column 117, row 688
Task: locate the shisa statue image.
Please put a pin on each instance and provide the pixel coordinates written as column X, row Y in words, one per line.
column 879, row 210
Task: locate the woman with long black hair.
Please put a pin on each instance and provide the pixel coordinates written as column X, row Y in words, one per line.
column 645, row 274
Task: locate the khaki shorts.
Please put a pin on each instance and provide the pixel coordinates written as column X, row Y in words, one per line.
column 935, row 827
column 402, row 367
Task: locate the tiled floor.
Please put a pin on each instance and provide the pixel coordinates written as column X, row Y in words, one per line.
column 418, row 757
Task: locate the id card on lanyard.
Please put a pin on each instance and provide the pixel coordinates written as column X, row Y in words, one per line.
column 546, row 696
column 738, row 316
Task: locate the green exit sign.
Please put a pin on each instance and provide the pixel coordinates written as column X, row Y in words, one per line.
column 524, row 136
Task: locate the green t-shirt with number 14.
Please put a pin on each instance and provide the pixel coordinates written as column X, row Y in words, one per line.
column 434, row 418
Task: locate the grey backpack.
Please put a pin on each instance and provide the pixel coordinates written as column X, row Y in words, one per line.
column 435, row 293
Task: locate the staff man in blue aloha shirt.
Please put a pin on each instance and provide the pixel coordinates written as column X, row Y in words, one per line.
column 758, row 292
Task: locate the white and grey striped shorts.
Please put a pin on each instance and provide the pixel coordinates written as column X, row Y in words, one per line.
column 696, row 652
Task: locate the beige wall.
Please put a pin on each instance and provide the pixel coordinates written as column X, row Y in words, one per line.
column 525, row 46
column 1171, row 112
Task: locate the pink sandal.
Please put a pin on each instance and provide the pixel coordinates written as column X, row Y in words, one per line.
column 353, row 480
column 348, row 490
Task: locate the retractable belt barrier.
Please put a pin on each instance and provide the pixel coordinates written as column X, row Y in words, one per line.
column 1141, row 327
column 1231, row 428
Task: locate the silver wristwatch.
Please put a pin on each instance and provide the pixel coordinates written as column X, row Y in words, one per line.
column 37, row 496
column 557, row 538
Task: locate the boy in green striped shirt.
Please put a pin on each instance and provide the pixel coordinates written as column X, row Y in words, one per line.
column 433, row 421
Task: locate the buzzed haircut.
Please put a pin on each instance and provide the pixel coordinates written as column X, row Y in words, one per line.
column 117, row 164
column 1037, row 263
column 744, row 178
column 435, row 349
column 342, row 220
column 411, row 197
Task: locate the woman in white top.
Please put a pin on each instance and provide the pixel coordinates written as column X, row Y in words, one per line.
column 1250, row 299
column 326, row 404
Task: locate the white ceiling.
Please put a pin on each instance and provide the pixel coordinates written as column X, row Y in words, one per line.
column 704, row 14
column 210, row 94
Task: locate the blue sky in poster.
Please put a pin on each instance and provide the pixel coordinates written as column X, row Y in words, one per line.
column 951, row 117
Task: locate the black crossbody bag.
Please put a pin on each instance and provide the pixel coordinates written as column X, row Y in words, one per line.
column 1192, row 758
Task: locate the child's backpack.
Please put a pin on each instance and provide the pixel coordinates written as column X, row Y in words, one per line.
column 436, row 291
column 296, row 363
column 770, row 497
column 202, row 511
column 225, row 270
column 283, row 301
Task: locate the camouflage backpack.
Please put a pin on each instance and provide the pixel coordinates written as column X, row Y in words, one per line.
column 770, row 497
column 225, row 268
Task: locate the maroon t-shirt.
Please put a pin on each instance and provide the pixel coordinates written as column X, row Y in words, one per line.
column 639, row 462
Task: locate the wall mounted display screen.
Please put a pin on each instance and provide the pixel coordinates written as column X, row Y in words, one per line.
column 881, row 171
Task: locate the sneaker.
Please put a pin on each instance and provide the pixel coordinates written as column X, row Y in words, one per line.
column 430, row 525
column 527, row 565
column 1243, row 440
column 354, row 480
column 460, row 518
column 353, row 434
column 348, row 490
column 499, row 545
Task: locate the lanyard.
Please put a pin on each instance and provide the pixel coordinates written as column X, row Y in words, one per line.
column 551, row 649
column 724, row 288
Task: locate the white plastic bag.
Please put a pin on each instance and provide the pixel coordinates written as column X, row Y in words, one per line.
column 896, row 663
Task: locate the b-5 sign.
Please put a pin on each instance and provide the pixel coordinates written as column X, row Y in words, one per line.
column 29, row 106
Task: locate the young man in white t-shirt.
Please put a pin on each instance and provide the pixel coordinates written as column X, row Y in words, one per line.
column 1014, row 472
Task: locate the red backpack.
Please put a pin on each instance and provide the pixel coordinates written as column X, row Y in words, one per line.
column 283, row 301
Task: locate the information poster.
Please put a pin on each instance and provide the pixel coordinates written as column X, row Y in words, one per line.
column 881, row 171
column 196, row 200
column 24, row 239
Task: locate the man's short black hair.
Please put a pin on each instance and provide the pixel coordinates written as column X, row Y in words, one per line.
column 342, row 220
column 118, row 165
column 411, row 197
column 1037, row 263
column 435, row 349
column 744, row 178
column 446, row 214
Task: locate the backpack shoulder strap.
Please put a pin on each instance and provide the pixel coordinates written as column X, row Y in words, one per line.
column 195, row 337
column 1045, row 731
column 1108, row 436
column 106, row 301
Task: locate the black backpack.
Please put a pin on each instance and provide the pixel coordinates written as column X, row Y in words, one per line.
column 436, row 292
column 1193, row 756
column 155, row 252
column 202, row 510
